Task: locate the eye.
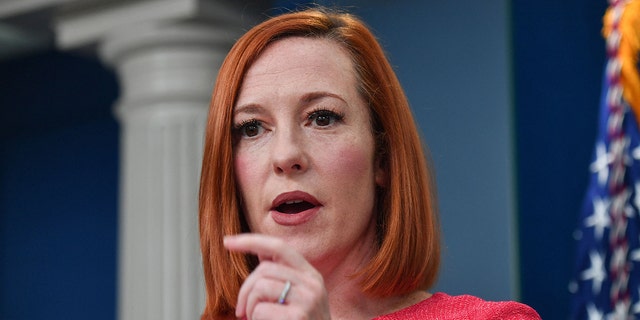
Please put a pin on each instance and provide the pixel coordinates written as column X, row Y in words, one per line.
column 323, row 117
column 249, row 128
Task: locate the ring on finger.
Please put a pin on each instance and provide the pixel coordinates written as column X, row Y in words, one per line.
column 285, row 292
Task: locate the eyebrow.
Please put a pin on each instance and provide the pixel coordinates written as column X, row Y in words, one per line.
column 250, row 108
column 254, row 108
column 311, row 96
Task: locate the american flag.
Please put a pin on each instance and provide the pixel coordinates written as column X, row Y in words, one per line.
column 606, row 282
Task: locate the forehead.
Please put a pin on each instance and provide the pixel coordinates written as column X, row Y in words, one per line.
column 308, row 50
column 316, row 61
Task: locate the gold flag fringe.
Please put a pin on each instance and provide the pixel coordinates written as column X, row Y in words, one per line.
column 628, row 49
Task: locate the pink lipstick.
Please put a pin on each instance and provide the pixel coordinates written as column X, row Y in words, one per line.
column 294, row 208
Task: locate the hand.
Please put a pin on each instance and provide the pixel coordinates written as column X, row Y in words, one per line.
column 279, row 263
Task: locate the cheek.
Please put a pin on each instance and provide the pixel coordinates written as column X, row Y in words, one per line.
column 240, row 166
column 352, row 162
column 244, row 169
column 245, row 175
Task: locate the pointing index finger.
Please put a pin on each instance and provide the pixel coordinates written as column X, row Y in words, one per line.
column 265, row 247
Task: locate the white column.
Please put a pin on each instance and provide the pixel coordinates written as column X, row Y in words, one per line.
column 166, row 75
column 166, row 54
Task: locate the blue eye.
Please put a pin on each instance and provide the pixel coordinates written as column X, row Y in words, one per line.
column 323, row 117
column 249, row 128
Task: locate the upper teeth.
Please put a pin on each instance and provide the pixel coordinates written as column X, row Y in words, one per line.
column 293, row 202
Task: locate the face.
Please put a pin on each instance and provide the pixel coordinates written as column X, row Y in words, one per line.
column 304, row 152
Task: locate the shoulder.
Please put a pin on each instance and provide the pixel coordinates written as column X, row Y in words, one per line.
column 443, row 306
column 469, row 306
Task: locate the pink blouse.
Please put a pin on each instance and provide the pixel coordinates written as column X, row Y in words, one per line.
column 441, row 306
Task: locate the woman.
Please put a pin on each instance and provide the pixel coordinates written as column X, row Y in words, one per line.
column 316, row 201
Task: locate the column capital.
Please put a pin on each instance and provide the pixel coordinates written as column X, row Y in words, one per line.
column 81, row 23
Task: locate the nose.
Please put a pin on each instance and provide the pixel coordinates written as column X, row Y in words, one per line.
column 288, row 153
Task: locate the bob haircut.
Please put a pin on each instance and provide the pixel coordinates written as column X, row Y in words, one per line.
column 408, row 234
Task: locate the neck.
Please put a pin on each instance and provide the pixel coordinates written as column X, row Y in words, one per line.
column 346, row 299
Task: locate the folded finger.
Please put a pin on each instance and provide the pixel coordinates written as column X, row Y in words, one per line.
column 264, row 284
column 266, row 291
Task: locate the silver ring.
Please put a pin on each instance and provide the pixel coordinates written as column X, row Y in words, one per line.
column 285, row 291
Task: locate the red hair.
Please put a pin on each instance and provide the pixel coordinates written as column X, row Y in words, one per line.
column 407, row 223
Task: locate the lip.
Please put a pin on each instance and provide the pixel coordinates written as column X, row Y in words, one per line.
column 288, row 219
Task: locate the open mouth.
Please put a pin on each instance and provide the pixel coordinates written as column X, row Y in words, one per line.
column 293, row 207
